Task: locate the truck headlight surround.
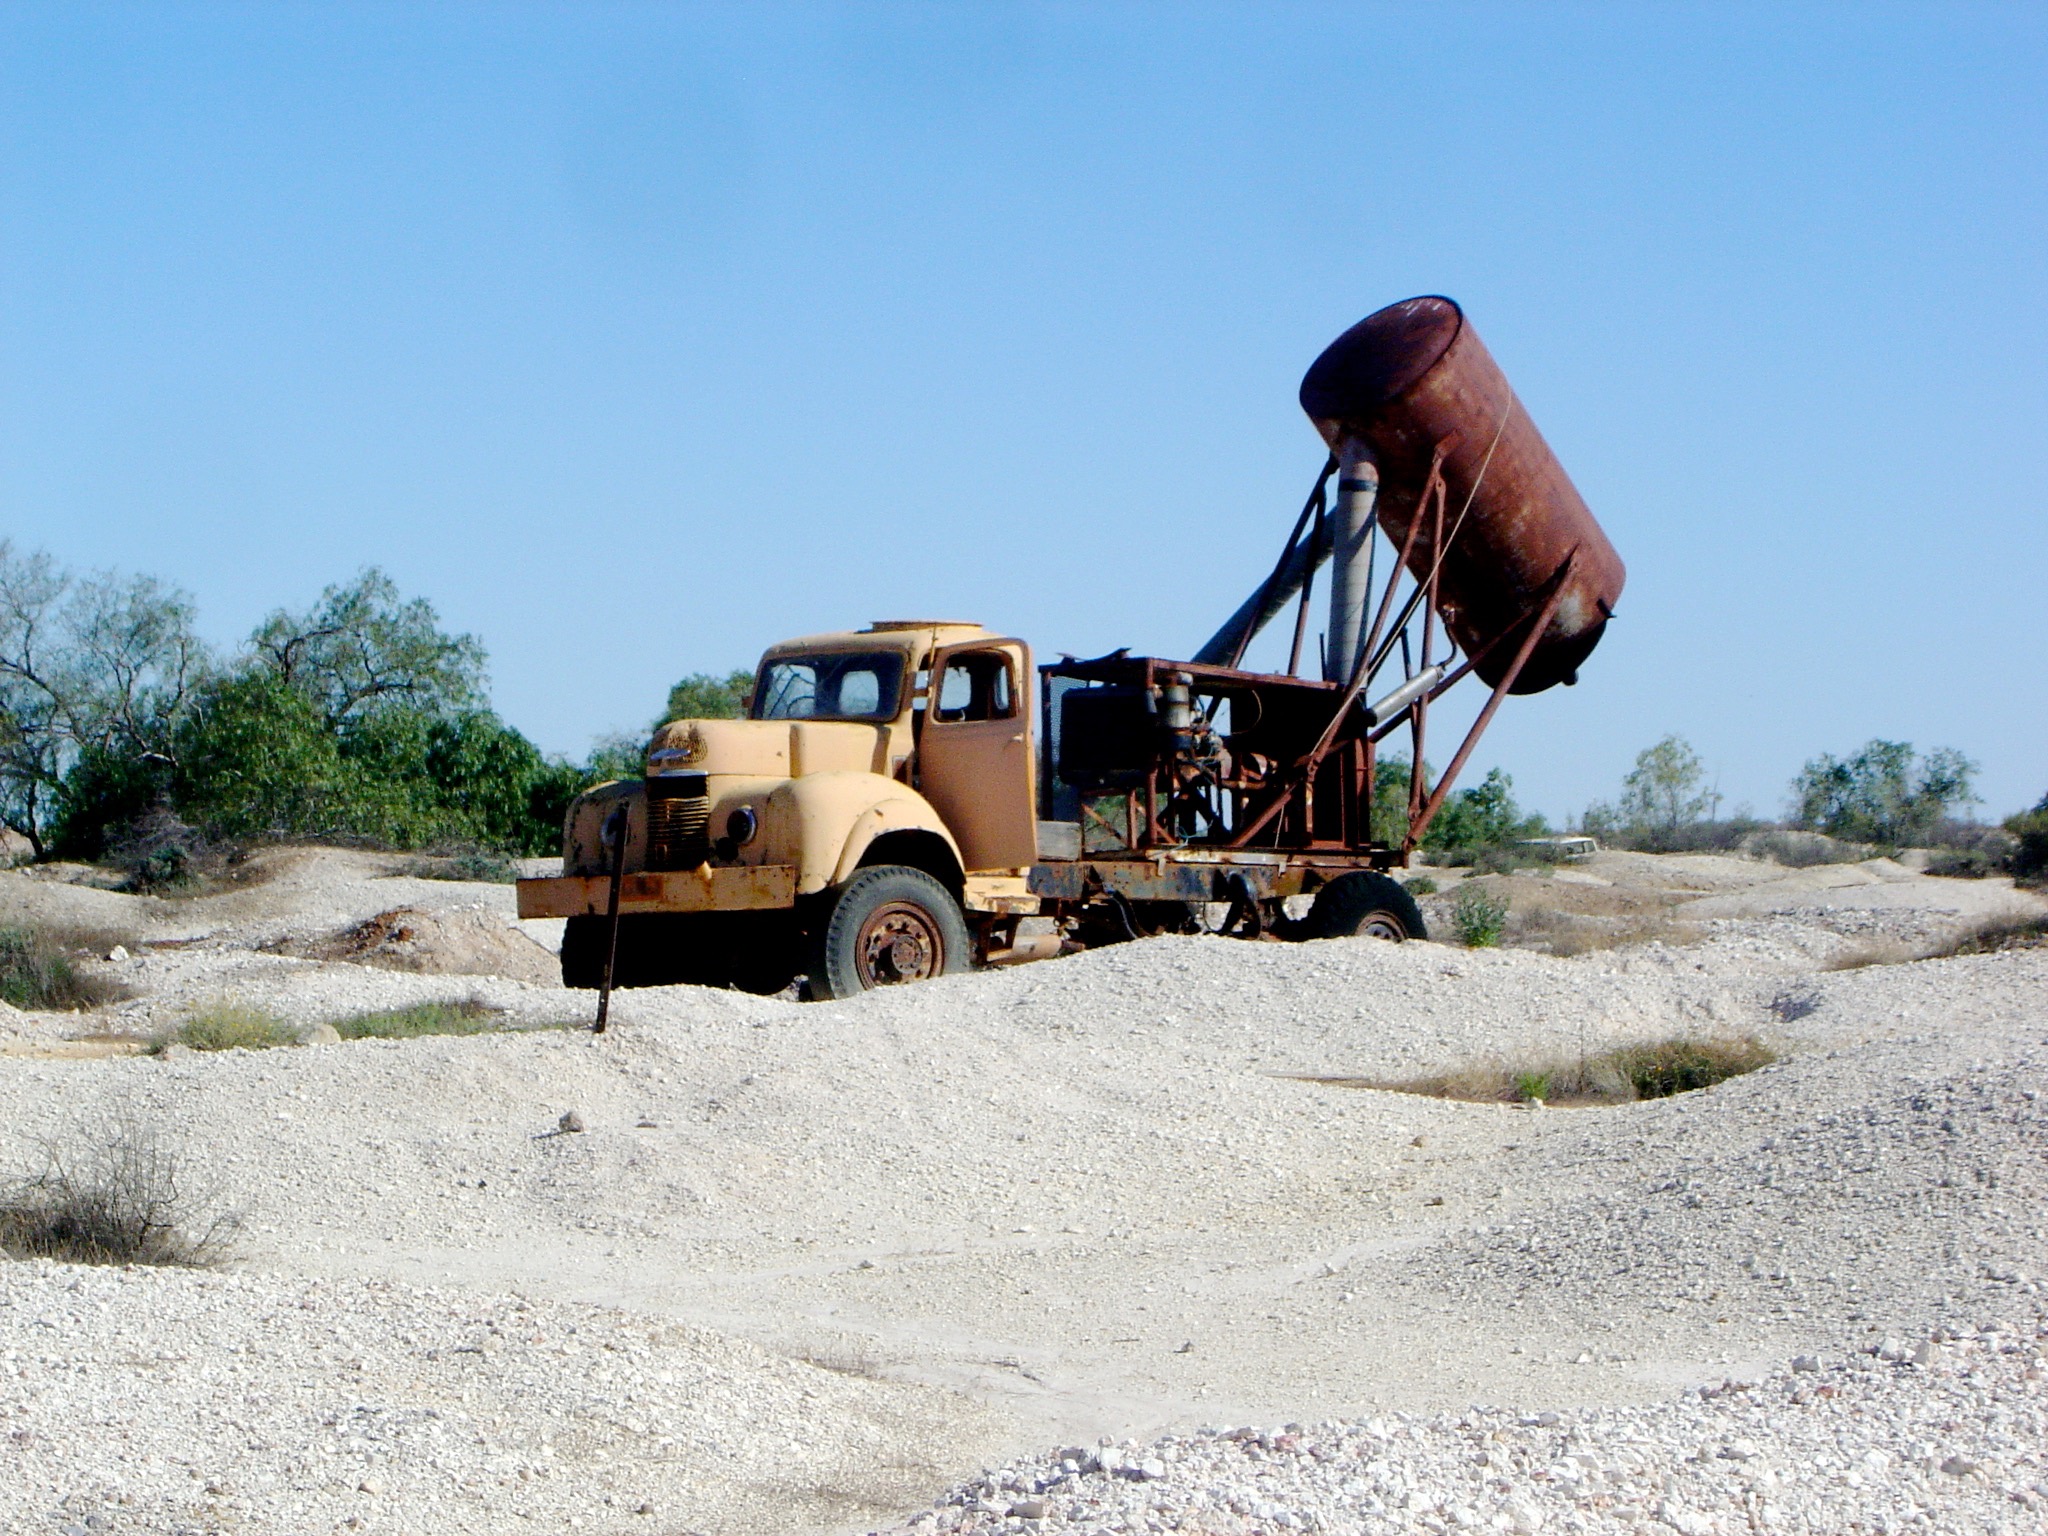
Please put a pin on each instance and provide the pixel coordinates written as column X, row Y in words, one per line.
column 742, row 826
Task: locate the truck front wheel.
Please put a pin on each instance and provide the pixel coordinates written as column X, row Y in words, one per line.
column 888, row 924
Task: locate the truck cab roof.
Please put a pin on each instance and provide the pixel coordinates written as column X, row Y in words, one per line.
column 917, row 637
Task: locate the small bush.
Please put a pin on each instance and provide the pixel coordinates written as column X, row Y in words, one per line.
column 1963, row 863
column 468, row 1017
column 1684, row 1066
column 1479, row 917
column 123, row 1196
column 37, row 972
column 1422, row 885
column 162, row 855
column 231, row 1027
column 2029, row 857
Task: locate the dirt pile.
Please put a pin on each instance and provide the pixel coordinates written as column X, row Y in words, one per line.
column 466, row 941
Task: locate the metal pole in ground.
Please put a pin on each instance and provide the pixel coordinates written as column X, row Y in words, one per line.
column 615, row 831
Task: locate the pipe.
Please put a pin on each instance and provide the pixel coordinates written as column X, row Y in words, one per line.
column 1358, row 489
column 1397, row 702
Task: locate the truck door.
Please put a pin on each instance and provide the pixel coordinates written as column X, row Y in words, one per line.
column 975, row 762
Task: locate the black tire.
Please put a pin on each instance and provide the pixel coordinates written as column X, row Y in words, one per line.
column 1362, row 904
column 888, row 924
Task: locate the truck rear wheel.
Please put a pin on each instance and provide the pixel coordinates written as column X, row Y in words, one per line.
column 886, row 925
column 1364, row 905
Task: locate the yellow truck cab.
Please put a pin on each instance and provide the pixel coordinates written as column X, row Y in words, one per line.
column 880, row 795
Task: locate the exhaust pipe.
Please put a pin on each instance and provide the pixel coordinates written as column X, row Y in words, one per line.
column 1397, row 703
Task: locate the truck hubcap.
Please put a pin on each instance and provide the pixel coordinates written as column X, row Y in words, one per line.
column 899, row 942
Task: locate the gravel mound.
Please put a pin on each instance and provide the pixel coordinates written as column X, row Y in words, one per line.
column 1947, row 1434
column 177, row 1401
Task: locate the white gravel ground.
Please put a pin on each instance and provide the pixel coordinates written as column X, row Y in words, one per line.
column 1949, row 1433
column 1086, row 1199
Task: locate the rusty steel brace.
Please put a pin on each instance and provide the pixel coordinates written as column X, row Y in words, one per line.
column 615, row 829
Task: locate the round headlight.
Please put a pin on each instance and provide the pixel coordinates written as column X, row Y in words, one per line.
column 741, row 825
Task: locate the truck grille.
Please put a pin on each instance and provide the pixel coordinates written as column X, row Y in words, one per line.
column 678, row 821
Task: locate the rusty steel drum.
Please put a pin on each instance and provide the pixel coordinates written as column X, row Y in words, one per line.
column 1415, row 375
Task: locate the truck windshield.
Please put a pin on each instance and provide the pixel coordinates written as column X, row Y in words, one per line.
column 858, row 685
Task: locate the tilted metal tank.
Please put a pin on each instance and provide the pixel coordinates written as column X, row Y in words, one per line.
column 1414, row 376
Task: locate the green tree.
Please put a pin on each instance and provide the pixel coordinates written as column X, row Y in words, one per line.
column 1663, row 795
column 362, row 647
column 257, row 758
column 97, row 669
column 1886, row 793
column 706, row 696
column 1483, row 815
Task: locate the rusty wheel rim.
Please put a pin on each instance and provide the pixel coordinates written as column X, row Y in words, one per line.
column 1382, row 925
column 899, row 942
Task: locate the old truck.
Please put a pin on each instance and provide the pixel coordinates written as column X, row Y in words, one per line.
column 901, row 798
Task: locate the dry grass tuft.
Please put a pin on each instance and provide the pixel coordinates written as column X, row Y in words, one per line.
column 1986, row 938
column 2001, row 933
column 468, row 1017
column 120, row 1195
column 1656, row 1070
column 229, row 1027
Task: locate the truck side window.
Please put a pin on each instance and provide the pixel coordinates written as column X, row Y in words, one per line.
column 976, row 685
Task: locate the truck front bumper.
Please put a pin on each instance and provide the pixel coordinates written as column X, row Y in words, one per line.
column 740, row 888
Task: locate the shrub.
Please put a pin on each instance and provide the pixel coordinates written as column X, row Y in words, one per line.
column 1422, row 885
column 1724, row 836
column 1963, row 863
column 124, row 1196
column 231, row 1027
column 1683, row 1066
column 2029, row 857
column 1479, row 917
column 36, row 972
column 469, row 1017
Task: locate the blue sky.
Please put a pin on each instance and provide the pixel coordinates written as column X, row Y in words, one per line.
column 637, row 337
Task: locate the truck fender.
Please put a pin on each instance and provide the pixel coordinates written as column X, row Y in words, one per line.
column 837, row 815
